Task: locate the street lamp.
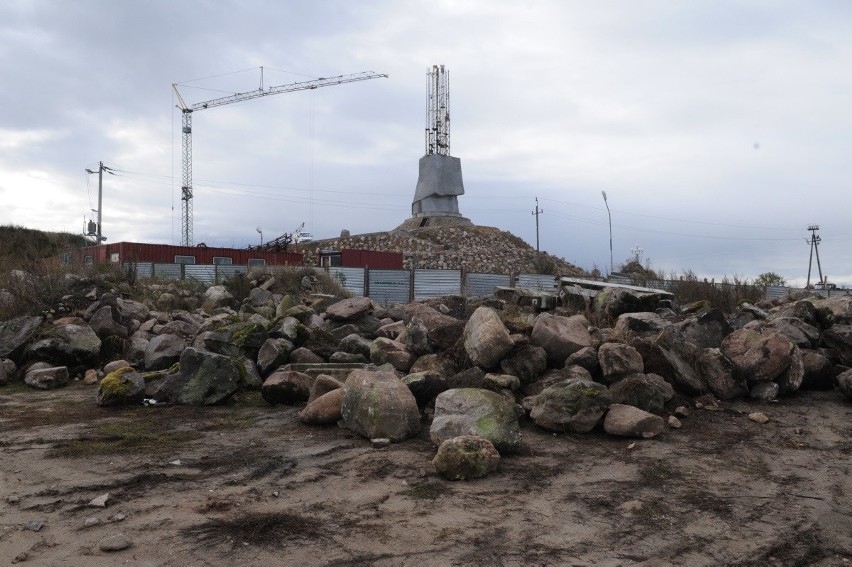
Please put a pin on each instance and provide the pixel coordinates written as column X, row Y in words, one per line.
column 611, row 263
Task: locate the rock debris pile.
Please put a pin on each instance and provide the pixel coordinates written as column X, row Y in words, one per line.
column 469, row 372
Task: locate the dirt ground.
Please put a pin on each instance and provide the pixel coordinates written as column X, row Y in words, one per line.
column 247, row 484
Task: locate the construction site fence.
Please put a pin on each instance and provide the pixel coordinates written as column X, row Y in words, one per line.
column 402, row 286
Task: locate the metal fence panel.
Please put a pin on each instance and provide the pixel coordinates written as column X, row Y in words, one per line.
column 481, row 285
column 142, row 269
column 225, row 272
column 538, row 282
column 167, row 271
column 436, row 283
column 352, row 279
column 390, row 286
column 202, row 272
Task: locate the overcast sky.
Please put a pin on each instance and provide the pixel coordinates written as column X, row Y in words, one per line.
column 720, row 130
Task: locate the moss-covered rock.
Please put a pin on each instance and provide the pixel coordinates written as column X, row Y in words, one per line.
column 378, row 404
column 466, row 457
column 474, row 411
column 571, row 405
column 122, row 387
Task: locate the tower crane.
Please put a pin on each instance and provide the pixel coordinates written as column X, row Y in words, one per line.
column 186, row 136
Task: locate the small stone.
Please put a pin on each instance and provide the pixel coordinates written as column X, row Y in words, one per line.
column 674, row 422
column 681, row 412
column 13, row 499
column 21, row 557
column 275, row 494
column 115, row 543
column 176, row 462
column 699, row 405
column 100, row 501
column 758, row 417
column 631, row 446
column 35, row 525
column 380, row 442
column 93, row 521
column 119, row 517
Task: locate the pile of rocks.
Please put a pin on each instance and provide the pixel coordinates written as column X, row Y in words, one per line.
column 474, row 248
column 385, row 372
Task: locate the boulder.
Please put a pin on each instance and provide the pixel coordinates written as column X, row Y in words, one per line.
column 629, row 421
column 555, row 376
column 121, row 387
column 425, row 386
column 844, row 384
column 800, row 333
column 443, row 331
column 383, row 351
column 759, row 358
column 356, row 344
column 642, row 324
column 4, row 375
column 349, row 309
column 587, row 357
column 379, row 405
column 417, row 337
column 764, row 391
column 527, row 362
column 611, row 302
column 470, row 378
column 291, row 329
column 163, row 351
column 791, row 379
column 720, row 375
column 205, row 378
column 69, row 345
column 105, row 323
column 45, row 377
column 324, row 410
column 819, row 371
column 287, row 387
column 216, row 297
column 571, row 406
column 486, row 339
column 617, row 361
column 473, row 411
column 303, row 355
column 323, row 384
column 838, row 337
column 391, row 330
column 673, row 359
column 500, row 382
column 273, row 354
column 647, row 392
column 705, row 329
column 466, row 457
column 560, row 336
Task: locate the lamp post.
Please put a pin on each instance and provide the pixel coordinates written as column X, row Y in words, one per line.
column 611, row 263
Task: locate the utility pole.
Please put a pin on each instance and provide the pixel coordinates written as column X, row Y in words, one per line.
column 536, row 212
column 814, row 242
column 611, row 263
column 101, row 168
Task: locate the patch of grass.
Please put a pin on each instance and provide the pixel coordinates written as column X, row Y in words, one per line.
column 125, row 436
column 263, row 529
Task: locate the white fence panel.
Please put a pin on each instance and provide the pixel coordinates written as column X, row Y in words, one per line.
column 352, row 279
column 143, row 269
column 536, row 281
column 482, row 285
column 436, row 283
column 390, row 286
column 167, row 271
column 202, row 272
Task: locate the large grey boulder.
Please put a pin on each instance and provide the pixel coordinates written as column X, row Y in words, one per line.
column 759, row 358
column 844, row 384
column 121, row 387
column 70, row 344
column 705, row 329
column 486, row 339
column 287, row 387
column 379, row 405
column 571, row 405
column 163, row 351
column 673, row 359
column 291, row 329
column 216, row 297
column 349, row 309
column 819, row 371
column 473, row 411
column 273, row 353
column 838, row 337
column 617, row 361
column 387, row 351
column 417, row 337
column 425, row 386
column 45, row 377
column 105, row 322
column 527, row 362
column 629, row 421
column 800, row 333
column 442, row 330
column 647, row 392
column 612, row 302
column 560, row 336
column 642, row 324
column 466, row 457
column 324, row 410
column 356, row 344
column 720, row 375
column 205, row 378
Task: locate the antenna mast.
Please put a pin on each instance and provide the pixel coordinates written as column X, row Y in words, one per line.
column 814, row 242
column 438, row 112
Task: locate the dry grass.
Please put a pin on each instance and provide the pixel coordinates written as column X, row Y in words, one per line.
column 262, row 529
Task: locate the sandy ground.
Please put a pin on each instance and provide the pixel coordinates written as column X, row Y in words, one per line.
column 247, row 484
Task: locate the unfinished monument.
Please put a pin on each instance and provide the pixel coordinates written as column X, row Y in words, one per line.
column 440, row 179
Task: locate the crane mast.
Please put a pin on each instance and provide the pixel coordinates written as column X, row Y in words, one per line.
column 186, row 129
